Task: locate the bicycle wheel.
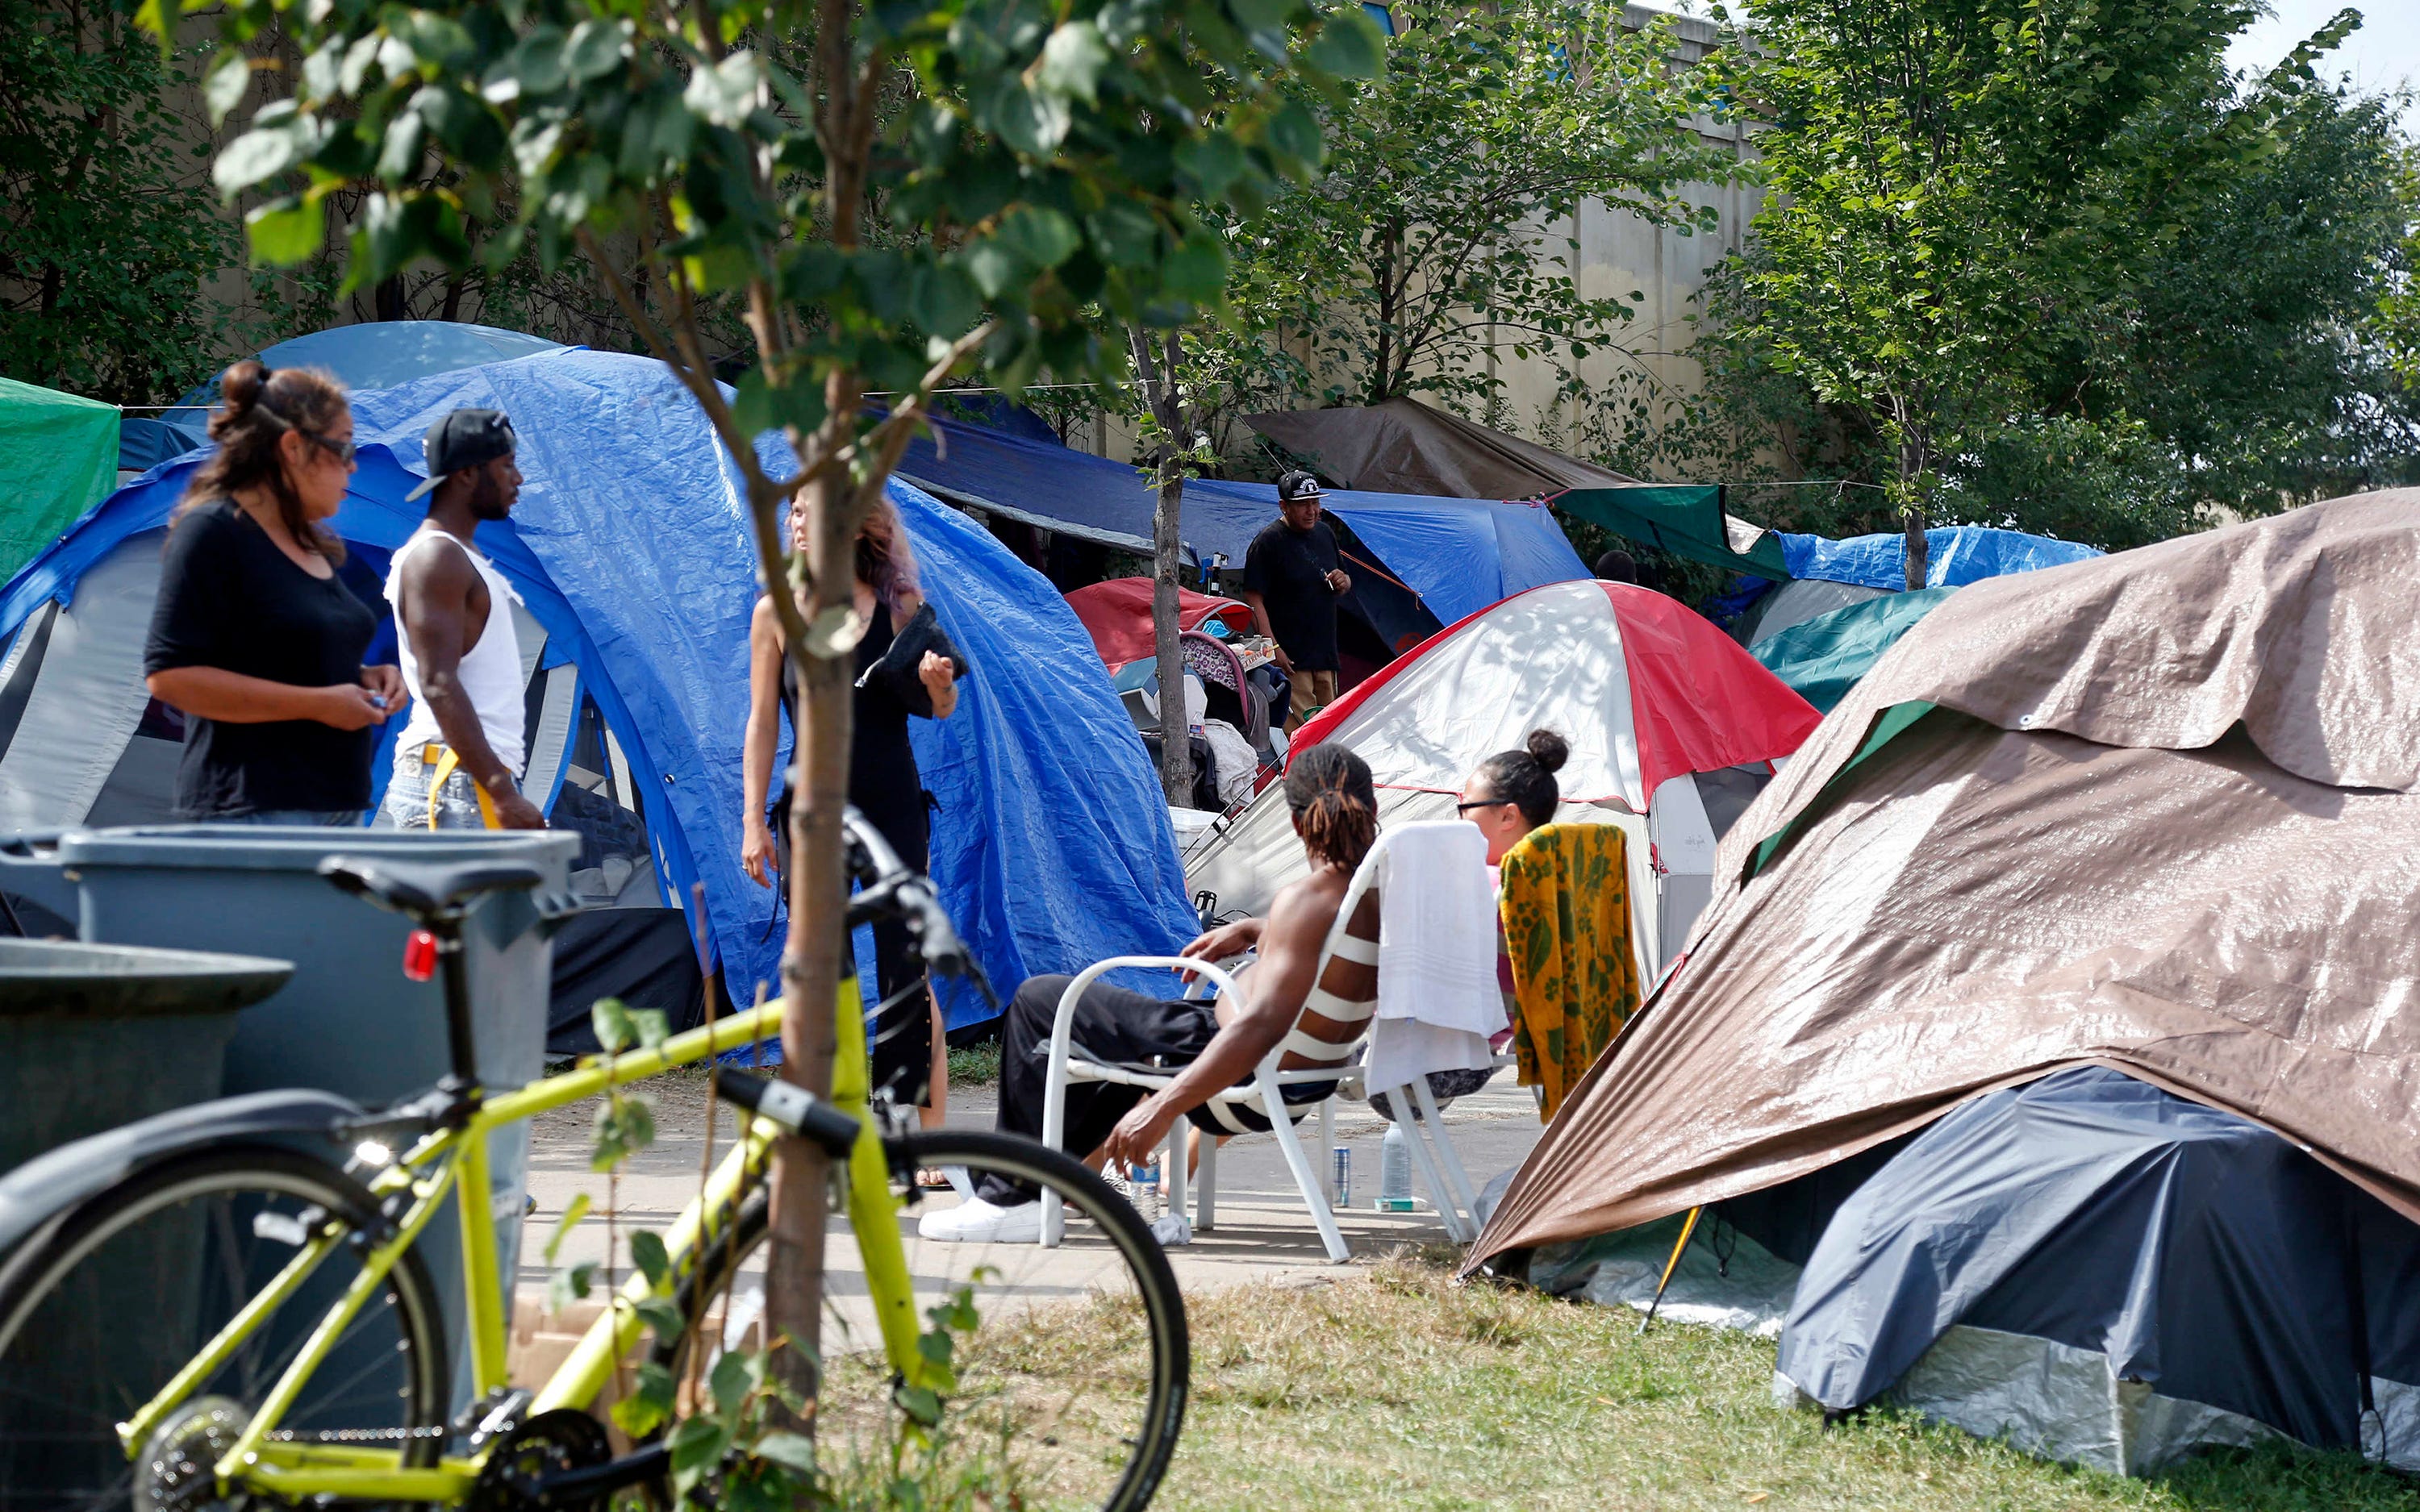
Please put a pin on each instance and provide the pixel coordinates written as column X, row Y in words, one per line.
column 1070, row 1388
column 98, row 1315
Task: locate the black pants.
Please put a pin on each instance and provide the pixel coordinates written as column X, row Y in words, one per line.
column 1112, row 1026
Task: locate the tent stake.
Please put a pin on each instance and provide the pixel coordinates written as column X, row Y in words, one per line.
column 1689, row 1227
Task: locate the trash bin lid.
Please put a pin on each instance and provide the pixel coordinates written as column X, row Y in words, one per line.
column 62, row 979
column 250, row 848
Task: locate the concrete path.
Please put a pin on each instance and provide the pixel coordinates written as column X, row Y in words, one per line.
column 1264, row 1232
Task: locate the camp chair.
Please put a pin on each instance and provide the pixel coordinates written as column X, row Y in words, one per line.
column 1263, row 1093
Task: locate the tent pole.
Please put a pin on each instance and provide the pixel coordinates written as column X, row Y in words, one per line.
column 1689, row 1227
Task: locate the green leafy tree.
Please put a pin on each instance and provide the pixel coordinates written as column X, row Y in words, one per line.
column 886, row 196
column 1431, row 242
column 1996, row 291
column 108, row 226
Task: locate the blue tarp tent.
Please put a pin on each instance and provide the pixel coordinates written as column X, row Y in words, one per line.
column 1955, row 555
column 1459, row 555
column 377, row 354
column 628, row 548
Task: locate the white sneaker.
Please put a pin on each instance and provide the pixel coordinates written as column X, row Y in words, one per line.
column 976, row 1222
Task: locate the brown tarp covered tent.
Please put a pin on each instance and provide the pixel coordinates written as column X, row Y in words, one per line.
column 1404, row 446
column 2157, row 811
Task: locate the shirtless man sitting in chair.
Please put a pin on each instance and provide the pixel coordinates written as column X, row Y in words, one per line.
column 1287, row 999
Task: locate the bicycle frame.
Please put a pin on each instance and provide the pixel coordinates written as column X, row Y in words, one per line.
column 453, row 1163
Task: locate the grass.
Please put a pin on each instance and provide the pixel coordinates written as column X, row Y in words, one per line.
column 1399, row 1390
column 974, row 1065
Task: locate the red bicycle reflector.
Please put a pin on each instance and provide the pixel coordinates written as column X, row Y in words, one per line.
column 420, row 955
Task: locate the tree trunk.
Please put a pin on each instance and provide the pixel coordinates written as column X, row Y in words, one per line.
column 1914, row 461
column 1158, row 378
column 812, row 954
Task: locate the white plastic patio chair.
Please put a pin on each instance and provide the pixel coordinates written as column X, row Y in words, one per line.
column 1262, row 1093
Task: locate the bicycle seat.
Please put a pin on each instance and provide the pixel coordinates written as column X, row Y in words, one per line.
column 425, row 890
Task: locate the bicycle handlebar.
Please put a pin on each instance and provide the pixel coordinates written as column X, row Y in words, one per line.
column 890, row 890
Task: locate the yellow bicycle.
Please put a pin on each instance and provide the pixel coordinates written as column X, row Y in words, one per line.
column 241, row 1321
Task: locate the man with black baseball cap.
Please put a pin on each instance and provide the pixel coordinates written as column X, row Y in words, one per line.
column 1292, row 581
column 457, row 762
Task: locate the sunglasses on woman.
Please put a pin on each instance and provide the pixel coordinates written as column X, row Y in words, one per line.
column 341, row 451
column 1482, row 803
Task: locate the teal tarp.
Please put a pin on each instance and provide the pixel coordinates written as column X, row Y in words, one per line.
column 1822, row 660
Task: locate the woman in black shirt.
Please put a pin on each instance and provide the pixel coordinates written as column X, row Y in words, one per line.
column 254, row 637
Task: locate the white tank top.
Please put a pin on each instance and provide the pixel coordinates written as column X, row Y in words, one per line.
column 490, row 671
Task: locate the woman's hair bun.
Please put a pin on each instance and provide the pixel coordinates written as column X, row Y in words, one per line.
column 240, row 386
column 1549, row 750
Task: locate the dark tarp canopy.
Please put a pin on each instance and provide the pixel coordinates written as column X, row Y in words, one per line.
column 1683, row 518
column 1404, row 446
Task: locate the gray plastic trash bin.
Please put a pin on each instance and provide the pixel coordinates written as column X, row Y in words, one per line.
column 349, row 1021
column 94, row 1035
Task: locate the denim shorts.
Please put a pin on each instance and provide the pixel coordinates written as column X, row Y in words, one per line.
column 312, row 818
column 407, row 797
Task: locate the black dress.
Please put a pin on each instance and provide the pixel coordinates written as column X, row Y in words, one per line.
column 886, row 788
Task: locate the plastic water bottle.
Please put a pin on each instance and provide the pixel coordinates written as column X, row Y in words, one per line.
column 1146, row 1190
column 1341, row 1193
column 1395, row 1172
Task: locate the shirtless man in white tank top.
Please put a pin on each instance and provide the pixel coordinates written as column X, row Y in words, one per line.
column 458, row 758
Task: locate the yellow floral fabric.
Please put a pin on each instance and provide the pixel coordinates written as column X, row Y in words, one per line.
column 1565, row 907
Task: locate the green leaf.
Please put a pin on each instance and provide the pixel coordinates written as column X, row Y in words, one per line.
column 1031, row 121
column 648, row 1253
column 651, row 1027
column 438, row 43
column 536, row 66
column 791, row 1451
column 573, row 1212
column 399, row 159
column 697, row 1445
column 1072, row 61
column 920, row 1404
column 563, row 1288
column 996, row 267
column 611, row 1021
column 285, row 231
column 597, row 49
column 943, row 300
column 1197, row 271
column 1292, row 137
column 664, row 1316
column 724, row 94
column 223, row 87
column 1042, row 237
column 1211, row 160
column 1350, row 45
column 254, row 156
column 760, row 407
column 650, row 1406
column 733, row 1379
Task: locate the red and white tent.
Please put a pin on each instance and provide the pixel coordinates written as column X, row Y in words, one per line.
column 1649, row 694
column 1117, row 615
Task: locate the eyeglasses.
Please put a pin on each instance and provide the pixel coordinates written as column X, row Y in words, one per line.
column 1482, row 803
column 341, row 451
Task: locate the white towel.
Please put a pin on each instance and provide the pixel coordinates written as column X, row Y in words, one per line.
column 1438, row 997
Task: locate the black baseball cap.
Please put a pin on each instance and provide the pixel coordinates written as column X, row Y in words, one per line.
column 1296, row 485
column 464, row 439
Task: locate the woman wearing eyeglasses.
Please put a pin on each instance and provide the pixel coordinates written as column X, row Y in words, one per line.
column 254, row 638
column 1513, row 792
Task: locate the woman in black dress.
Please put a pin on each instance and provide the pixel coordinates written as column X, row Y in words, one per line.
column 254, row 637
column 883, row 785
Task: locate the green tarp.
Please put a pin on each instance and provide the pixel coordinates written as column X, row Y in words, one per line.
column 1822, row 658
column 59, row 457
column 1684, row 518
